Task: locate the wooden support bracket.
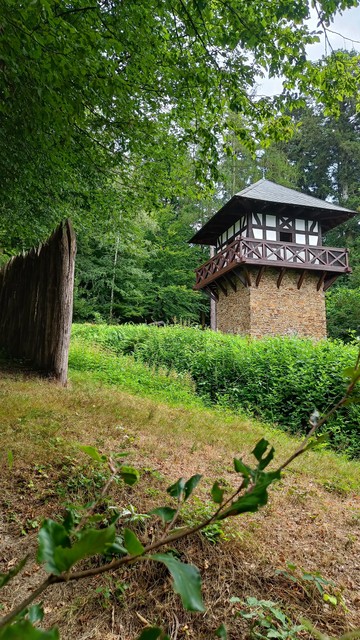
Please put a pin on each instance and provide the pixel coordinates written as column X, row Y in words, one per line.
column 280, row 277
column 321, row 281
column 239, row 273
column 230, row 281
column 331, row 281
column 259, row 275
column 215, row 290
column 301, row 279
column 247, row 277
column 213, row 295
column 221, row 287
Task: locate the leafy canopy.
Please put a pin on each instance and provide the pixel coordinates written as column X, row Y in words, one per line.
column 91, row 89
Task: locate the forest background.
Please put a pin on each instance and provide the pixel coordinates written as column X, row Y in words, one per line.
column 142, row 145
column 143, row 269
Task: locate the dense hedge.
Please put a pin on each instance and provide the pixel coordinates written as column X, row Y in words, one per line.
column 281, row 380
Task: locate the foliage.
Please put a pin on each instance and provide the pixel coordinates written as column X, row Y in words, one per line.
column 92, row 94
column 267, row 620
column 278, row 379
column 111, row 280
column 132, row 375
column 238, row 167
column 313, row 580
column 325, row 153
column 143, row 270
column 62, row 545
column 171, row 262
column 343, row 313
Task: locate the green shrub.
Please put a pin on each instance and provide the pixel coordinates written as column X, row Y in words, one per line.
column 343, row 313
column 281, row 380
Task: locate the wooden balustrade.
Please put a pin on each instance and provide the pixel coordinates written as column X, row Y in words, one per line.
column 270, row 253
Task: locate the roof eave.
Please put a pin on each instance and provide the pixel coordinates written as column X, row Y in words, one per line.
column 208, row 234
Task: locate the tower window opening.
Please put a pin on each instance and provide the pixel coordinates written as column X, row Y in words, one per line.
column 286, row 236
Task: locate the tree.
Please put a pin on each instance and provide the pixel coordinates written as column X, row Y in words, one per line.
column 86, row 86
column 326, row 153
column 172, row 262
column 343, row 313
column 141, row 267
column 111, row 278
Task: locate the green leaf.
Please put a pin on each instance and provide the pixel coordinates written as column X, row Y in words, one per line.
column 56, row 551
column 69, row 520
column 242, row 468
column 260, row 449
column 6, row 577
column 329, row 598
column 91, row 542
column 191, row 484
column 352, row 373
column 116, row 548
column 221, row 632
column 250, row 502
column 187, row 581
column 129, row 475
column 92, row 452
column 23, row 630
column 176, row 490
column 315, row 442
column 35, row 613
column 132, row 543
column 51, row 536
column 165, row 513
column 259, row 452
column 217, row 493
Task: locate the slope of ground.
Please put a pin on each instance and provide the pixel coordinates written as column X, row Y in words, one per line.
column 312, row 519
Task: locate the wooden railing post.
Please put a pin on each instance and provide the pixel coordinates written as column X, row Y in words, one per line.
column 261, row 252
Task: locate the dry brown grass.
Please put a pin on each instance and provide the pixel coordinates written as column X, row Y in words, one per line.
column 313, row 518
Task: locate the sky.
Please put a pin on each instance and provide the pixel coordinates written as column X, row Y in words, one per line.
column 347, row 24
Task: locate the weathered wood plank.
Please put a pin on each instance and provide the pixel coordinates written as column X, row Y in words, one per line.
column 36, row 299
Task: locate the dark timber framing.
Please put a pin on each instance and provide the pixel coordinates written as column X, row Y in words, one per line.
column 264, row 253
column 266, row 197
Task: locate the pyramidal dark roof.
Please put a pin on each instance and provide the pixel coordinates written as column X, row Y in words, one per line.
column 266, row 196
column 272, row 192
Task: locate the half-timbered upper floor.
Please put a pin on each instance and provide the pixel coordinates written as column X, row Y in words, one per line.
column 270, row 225
column 276, row 228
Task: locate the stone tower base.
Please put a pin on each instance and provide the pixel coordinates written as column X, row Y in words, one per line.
column 269, row 310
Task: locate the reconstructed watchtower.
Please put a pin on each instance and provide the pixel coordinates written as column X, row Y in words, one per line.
column 270, row 270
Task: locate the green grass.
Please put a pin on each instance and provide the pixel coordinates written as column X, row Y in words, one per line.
column 179, row 411
column 120, row 404
column 96, row 363
column 279, row 380
column 107, row 390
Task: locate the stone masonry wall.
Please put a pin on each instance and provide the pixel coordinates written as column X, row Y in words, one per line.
column 233, row 311
column 268, row 311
